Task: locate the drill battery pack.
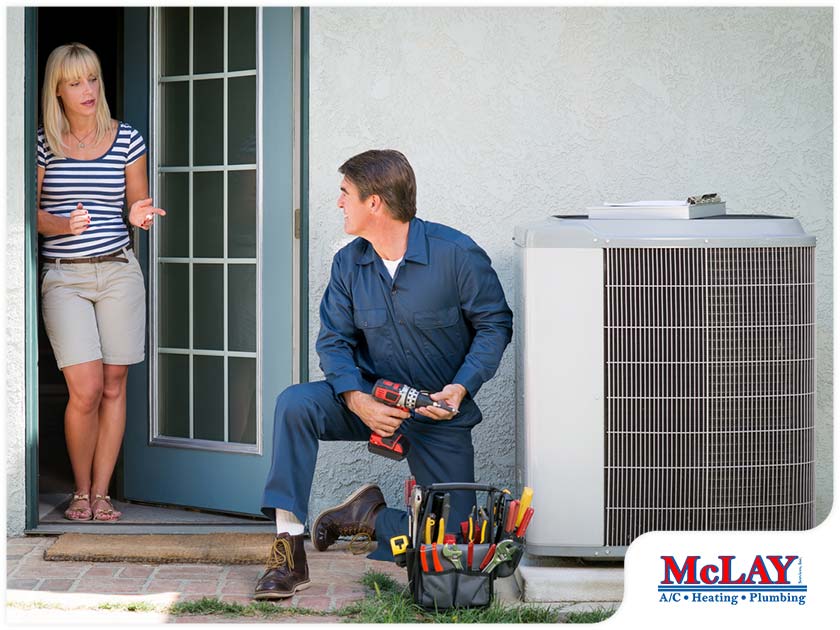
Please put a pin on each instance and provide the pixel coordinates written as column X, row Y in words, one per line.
column 393, row 447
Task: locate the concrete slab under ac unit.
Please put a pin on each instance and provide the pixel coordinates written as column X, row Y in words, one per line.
column 565, row 580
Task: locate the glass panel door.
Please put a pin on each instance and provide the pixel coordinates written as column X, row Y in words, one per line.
column 206, row 259
column 205, row 441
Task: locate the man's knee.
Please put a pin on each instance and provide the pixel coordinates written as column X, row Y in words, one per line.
column 295, row 408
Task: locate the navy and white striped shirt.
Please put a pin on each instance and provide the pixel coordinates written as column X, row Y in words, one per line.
column 99, row 185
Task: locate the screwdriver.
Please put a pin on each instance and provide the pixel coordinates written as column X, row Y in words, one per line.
column 510, row 517
column 524, row 503
column 523, row 526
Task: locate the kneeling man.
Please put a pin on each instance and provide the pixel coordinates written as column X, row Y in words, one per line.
column 408, row 300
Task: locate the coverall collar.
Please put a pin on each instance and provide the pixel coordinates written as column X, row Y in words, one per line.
column 416, row 251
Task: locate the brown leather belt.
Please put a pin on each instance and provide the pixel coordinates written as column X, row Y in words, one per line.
column 109, row 257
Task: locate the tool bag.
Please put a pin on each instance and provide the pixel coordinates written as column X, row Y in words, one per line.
column 439, row 575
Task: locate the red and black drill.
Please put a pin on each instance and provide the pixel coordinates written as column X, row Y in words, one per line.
column 403, row 397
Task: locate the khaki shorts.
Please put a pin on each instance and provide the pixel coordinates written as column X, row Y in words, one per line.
column 95, row 311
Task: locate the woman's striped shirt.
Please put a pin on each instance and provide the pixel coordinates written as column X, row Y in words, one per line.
column 99, row 185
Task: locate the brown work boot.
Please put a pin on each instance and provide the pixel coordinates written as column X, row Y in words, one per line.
column 286, row 570
column 356, row 516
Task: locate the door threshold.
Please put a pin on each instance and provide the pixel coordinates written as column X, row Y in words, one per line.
column 55, row 529
column 139, row 518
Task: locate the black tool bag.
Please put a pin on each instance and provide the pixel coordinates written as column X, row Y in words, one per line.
column 434, row 580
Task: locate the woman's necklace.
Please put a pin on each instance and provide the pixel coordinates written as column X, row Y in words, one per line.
column 81, row 140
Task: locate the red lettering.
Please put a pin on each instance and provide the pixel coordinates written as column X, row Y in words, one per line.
column 782, row 568
column 688, row 569
column 726, row 565
column 704, row 574
column 760, row 570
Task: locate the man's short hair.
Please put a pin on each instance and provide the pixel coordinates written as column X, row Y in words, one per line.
column 388, row 174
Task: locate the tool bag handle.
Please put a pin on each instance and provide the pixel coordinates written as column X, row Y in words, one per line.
column 477, row 487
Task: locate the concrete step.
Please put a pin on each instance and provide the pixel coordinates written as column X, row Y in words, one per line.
column 564, row 581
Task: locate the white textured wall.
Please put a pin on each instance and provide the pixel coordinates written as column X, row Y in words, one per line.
column 13, row 274
column 508, row 115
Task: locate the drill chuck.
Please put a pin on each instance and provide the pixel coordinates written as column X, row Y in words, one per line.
column 405, row 396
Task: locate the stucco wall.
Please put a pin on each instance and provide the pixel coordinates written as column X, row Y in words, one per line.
column 508, row 115
column 13, row 275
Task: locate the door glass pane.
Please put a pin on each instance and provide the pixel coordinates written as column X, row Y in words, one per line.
column 242, row 120
column 208, row 298
column 242, row 40
column 207, row 132
column 242, row 400
column 208, row 122
column 242, row 214
column 208, row 40
column 175, row 53
column 209, row 398
column 242, row 308
column 175, row 109
column 174, row 287
column 208, row 215
column 174, row 228
column 174, row 395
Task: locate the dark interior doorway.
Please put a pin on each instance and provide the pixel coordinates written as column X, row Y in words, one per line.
column 101, row 29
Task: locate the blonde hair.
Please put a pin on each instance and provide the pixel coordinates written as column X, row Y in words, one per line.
column 68, row 62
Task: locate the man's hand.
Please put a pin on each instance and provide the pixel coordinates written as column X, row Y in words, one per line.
column 379, row 417
column 452, row 395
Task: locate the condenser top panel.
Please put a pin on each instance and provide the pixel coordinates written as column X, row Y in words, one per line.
column 730, row 230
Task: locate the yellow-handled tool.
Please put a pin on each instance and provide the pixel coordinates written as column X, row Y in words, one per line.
column 430, row 523
column 441, row 530
column 524, row 503
column 399, row 544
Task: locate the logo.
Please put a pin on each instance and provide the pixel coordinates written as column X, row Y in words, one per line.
column 726, row 580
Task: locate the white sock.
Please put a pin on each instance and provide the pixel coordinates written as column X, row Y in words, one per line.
column 287, row 522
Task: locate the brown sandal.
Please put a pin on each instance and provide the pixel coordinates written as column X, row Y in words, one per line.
column 79, row 508
column 105, row 514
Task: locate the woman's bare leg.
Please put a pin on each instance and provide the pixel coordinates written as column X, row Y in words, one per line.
column 111, row 427
column 81, row 419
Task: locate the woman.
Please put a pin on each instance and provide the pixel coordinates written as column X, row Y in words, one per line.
column 92, row 290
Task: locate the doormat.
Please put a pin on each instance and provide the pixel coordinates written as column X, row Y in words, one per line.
column 163, row 548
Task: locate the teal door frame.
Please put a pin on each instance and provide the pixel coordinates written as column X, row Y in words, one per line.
column 136, row 110
column 31, row 266
column 136, row 78
column 303, row 234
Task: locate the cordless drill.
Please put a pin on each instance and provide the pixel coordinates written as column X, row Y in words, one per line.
column 403, row 397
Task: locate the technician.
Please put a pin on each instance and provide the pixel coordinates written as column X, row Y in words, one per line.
column 408, row 300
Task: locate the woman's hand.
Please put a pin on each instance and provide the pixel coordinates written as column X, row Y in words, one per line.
column 142, row 213
column 79, row 220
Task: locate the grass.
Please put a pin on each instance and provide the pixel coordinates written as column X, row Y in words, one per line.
column 132, row 607
column 387, row 601
column 203, row 606
column 390, row 602
column 129, row 607
column 213, row 606
column 590, row 616
column 30, row 605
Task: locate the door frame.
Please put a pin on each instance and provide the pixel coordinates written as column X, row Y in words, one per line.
column 137, row 102
column 137, row 22
column 31, row 266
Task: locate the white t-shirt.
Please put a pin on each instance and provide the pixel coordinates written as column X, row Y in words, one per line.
column 391, row 265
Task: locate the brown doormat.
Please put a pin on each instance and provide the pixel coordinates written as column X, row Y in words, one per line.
column 163, row 548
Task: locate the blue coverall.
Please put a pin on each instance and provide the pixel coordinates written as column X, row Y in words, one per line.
column 442, row 319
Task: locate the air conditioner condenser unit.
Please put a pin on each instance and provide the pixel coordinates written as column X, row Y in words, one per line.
column 665, row 378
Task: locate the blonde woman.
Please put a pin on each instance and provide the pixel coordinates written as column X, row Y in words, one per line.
column 92, row 292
